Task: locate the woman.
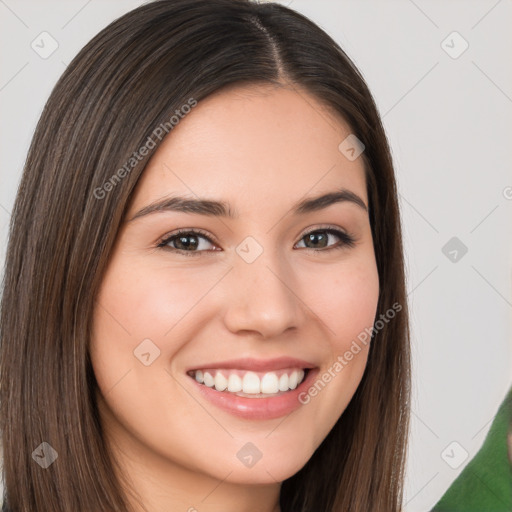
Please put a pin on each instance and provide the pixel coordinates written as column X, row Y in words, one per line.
column 204, row 304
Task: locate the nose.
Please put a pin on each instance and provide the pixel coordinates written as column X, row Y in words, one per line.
column 262, row 297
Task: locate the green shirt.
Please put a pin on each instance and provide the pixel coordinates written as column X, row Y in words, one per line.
column 485, row 484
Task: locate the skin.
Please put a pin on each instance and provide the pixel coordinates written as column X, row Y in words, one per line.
column 260, row 149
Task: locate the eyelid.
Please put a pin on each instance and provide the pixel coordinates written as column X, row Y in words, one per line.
column 322, row 227
column 183, row 231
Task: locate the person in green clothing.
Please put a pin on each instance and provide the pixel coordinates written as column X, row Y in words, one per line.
column 485, row 484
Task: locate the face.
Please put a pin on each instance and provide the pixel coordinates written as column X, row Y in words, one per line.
column 215, row 349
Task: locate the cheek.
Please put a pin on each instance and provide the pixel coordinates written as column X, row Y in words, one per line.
column 345, row 300
column 346, row 303
column 137, row 302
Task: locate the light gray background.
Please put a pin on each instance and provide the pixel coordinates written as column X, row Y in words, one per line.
column 449, row 124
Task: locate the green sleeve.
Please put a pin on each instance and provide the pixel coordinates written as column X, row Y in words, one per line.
column 485, row 484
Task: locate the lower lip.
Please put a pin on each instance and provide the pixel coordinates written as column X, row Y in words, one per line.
column 258, row 408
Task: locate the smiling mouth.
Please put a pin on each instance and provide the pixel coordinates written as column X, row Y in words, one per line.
column 250, row 384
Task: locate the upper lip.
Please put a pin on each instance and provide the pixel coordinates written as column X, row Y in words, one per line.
column 257, row 365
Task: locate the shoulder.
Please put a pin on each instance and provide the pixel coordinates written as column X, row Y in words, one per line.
column 486, row 481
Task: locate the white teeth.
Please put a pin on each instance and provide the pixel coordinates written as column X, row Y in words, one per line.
column 234, row 383
column 208, row 380
column 269, row 383
column 293, row 380
column 283, row 383
column 221, row 383
column 252, row 383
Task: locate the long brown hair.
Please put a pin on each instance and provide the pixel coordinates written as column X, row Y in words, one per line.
column 127, row 81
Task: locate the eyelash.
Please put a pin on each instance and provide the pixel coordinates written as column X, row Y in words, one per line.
column 347, row 240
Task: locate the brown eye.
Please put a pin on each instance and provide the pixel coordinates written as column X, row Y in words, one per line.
column 319, row 239
column 189, row 242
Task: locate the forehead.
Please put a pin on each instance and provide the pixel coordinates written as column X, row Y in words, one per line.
column 246, row 144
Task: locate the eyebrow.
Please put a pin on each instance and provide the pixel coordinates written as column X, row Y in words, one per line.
column 214, row 208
